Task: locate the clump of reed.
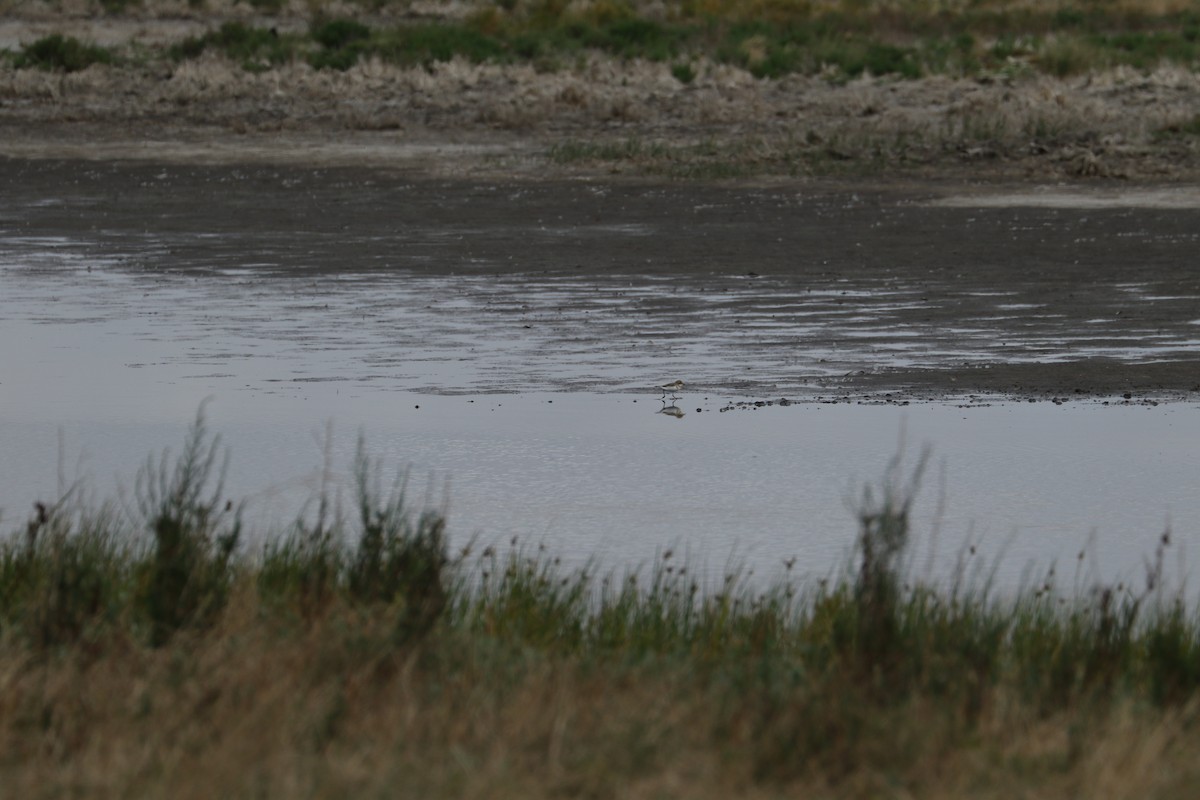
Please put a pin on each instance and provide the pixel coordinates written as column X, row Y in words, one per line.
column 354, row 650
column 395, row 560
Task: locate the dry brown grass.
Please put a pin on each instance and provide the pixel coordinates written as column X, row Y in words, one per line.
column 261, row 707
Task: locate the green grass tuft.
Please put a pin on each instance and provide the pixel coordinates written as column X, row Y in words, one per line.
column 184, row 580
column 683, row 72
column 257, row 49
column 425, row 44
column 62, row 54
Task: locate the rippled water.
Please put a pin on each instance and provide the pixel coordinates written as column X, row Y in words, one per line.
column 253, row 326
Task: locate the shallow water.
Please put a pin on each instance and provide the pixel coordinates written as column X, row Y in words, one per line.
column 526, row 398
column 114, row 366
column 608, row 476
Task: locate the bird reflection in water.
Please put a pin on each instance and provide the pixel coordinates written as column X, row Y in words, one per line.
column 669, row 397
column 671, row 410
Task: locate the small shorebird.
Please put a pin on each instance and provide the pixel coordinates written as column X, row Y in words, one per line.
column 674, row 386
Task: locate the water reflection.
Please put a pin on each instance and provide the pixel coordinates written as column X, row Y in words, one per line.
column 671, row 410
column 1026, row 485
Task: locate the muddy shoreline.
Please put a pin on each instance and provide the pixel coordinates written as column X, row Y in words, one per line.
column 879, row 239
column 839, row 290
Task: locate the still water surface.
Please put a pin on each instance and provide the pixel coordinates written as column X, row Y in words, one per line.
column 594, row 475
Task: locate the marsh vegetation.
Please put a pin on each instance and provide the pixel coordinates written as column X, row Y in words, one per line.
column 707, row 90
column 840, row 40
column 146, row 646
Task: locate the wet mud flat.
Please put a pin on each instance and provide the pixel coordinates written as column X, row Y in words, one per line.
column 815, row 290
